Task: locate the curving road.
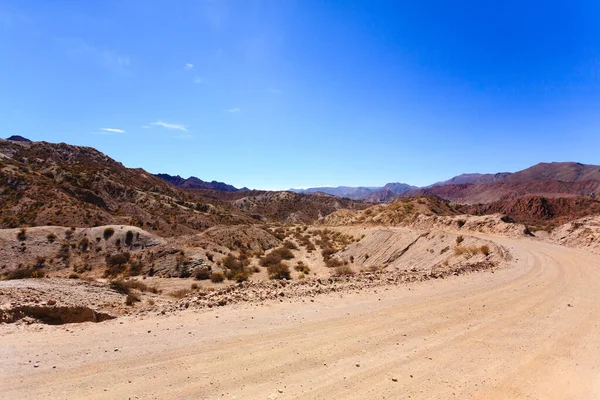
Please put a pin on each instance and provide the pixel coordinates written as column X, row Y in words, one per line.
column 531, row 331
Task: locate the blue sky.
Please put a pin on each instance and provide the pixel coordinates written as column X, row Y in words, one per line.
column 281, row 93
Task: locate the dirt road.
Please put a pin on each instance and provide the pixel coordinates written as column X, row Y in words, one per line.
column 530, row 331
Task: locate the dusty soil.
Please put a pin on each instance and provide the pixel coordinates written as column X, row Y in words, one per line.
column 529, row 331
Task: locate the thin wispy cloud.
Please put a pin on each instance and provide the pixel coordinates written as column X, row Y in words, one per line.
column 113, row 130
column 167, row 125
column 102, row 57
column 234, row 110
column 188, row 66
column 198, row 80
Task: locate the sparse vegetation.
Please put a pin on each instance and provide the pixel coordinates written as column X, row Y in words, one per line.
column 22, row 235
column 279, row 271
column 180, row 294
column 459, row 240
column 485, row 250
column 201, row 274
column 217, row 277
column 343, row 270
column 24, row 273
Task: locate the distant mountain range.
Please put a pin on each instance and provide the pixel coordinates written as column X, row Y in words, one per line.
column 195, row 183
column 556, row 179
column 549, row 180
column 377, row 193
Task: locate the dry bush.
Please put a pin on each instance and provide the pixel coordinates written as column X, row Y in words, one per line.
column 73, row 276
column 334, row 263
column 217, row 277
column 201, row 274
column 279, row 271
column 485, row 250
column 230, row 262
column 84, row 244
column 459, row 240
column 132, row 298
column 303, row 268
column 180, row 294
column 51, row 237
column 125, row 286
column 343, row 270
column 284, row 253
column 270, row 259
column 288, row 244
column 22, row 235
column 327, row 253
column 460, row 223
column 24, row 273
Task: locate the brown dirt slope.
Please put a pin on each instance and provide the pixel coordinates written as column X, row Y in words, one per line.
column 539, row 212
column 490, row 192
column 58, row 184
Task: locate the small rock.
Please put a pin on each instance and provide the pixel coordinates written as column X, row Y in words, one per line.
column 51, row 302
column 394, row 380
column 116, row 349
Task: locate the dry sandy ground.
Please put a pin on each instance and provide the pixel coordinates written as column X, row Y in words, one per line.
column 530, row 331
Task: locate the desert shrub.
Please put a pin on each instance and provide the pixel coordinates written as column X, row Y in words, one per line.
column 24, row 273
column 485, row 250
column 40, row 262
column 231, row 262
column 445, row 249
column 459, row 240
column 239, row 276
column 460, row 223
column 217, row 277
column 128, row 238
column 343, row 270
column 290, row 245
column 115, row 264
column 180, row 294
column 334, row 263
column 84, row 243
column 73, row 276
column 269, row 259
column 460, row 250
column 69, row 233
column 303, row 268
column 22, row 235
column 327, row 253
column 132, row 298
column 51, row 237
column 117, row 259
column 125, row 286
column 284, row 253
column 201, row 274
column 210, row 256
column 279, row 271
column 135, row 267
column 108, row 232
